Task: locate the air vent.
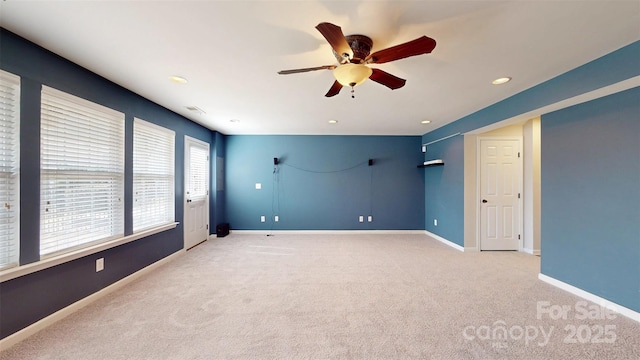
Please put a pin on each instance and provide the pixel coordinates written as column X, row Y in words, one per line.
column 195, row 109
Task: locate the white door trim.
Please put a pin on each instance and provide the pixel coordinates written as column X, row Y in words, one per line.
column 479, row 140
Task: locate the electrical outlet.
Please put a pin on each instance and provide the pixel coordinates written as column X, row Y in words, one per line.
column 99, row 264
column 361, row 218
column 263, row 218
column 370, row 218
column 258, row 186
column 276, row 218
column 435, row 222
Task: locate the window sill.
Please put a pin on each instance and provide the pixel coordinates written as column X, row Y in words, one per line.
column 19, row 271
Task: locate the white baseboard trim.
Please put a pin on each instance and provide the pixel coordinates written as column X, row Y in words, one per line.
column 444, row 241
column 18, row 336
column 631, row 314
column 531, row 251
column 327, row 232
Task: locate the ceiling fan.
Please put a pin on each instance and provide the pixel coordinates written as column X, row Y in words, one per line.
column 353, row 55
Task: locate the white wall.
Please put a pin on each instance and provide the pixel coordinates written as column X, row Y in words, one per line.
column 531, row 191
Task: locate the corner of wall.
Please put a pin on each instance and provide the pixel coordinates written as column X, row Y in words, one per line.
column 470, row 192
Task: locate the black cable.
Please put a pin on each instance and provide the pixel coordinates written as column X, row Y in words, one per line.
column 328, row 172
column 371, row 191
column 275, row 197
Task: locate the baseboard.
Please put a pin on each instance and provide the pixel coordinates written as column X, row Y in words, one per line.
column 20, row 335
column 444, row 241
column 327, row 232
column 631, row 314
column 531, row 251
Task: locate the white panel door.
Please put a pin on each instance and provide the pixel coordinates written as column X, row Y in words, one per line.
column 196, row 193
column 500, row 194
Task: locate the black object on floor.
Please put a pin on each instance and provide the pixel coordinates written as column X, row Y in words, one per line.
column 222, row 230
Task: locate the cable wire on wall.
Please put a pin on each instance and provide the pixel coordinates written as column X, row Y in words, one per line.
column 327, row 171
column 370, row 190
column 276, row 190
column 275, row 197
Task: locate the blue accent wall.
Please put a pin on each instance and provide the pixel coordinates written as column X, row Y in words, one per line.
column 591, row 197
column 324, row 182
column 444, row 190
column 29, row 298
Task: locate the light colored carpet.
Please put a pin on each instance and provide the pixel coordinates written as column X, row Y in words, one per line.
column 334, row 297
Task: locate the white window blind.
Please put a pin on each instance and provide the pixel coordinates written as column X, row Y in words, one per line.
column 153, row 175
column 198, row 172
column 82, row 172
column 9, row 169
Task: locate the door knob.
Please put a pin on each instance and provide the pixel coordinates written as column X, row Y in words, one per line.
column 484, row 201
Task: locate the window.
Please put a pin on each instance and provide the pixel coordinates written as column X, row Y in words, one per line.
column 82, row 172
column 9, row 169
column 153, row 175
column 198, row 186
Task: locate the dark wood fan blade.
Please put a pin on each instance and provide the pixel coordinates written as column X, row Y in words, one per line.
column 335, row 37
column 335, row 89
column 295, row 71
column 386, row 79
column 419, row 46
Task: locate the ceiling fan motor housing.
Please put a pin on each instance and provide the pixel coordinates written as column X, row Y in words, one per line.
column 361, row 47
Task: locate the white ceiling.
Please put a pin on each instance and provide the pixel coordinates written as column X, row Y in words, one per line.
column 230, row 51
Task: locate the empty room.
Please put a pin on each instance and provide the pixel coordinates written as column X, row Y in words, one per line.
column 320, row 179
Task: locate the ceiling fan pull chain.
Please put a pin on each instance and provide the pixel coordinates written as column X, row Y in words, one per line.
column 353, row 95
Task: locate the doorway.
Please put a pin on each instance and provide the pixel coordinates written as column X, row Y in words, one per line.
column 500, row 193
column 196, row 190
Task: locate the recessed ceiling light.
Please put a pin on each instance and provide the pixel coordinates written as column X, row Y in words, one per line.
column 425, row 122
column 178, row 79
column 333, row 121
column 500, row 81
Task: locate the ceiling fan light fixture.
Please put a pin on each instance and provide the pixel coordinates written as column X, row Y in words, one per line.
column 352, row 74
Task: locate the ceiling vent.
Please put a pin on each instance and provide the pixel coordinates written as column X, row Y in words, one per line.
column 196, row 109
